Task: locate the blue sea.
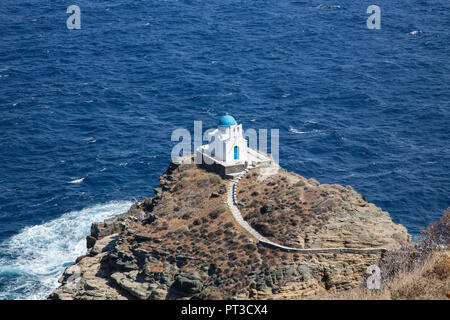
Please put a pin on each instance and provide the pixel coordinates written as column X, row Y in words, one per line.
column 86, row 116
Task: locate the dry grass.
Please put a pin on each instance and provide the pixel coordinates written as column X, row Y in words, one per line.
column 430, row 281
column 194, row 221
column 277, row 205
column 418, row 271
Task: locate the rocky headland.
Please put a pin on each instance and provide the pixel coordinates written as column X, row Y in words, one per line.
column 184, row 242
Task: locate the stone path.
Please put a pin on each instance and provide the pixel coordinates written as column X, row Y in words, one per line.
column 232, row 204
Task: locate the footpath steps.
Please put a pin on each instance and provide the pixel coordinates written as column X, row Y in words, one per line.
column 232, row 204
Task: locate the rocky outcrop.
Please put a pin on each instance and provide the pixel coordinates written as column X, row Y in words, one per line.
column 185, row 244
column 301, row 213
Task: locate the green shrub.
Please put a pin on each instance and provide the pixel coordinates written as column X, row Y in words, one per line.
column 203, row 182
column 182, row 229
column 181, row 184
column 186, row 173
column 213, row 214
column 217, row 211
column 166, row 206
column 185, row 216
column 215, row 179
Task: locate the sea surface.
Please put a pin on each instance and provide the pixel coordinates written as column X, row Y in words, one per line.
column 86, row 116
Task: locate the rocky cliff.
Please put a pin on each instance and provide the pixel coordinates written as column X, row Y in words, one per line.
column 184, row 243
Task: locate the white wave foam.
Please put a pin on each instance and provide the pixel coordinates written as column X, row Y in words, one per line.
column 293, row 130
column 324, row 6
column 34, row 259
column 415, row 32
column 77, row 180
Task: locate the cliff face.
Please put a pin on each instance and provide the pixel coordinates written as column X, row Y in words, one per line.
column 184, row 243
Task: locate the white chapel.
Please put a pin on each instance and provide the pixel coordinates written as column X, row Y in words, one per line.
column 227, row 142
column 227, row 152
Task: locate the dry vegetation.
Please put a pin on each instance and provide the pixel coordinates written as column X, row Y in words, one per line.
column 418, row 271
column 298, row 212
column 277, row 206
column 194, row 222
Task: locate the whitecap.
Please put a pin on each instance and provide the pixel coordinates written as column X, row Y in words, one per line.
column 9, row 271
column 77, row 180
column 415, row 32
column 35, row 258
column 90, row 140
column 324, row 6
column 293, row 130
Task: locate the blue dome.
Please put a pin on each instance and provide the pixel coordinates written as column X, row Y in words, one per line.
column 226, row 121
